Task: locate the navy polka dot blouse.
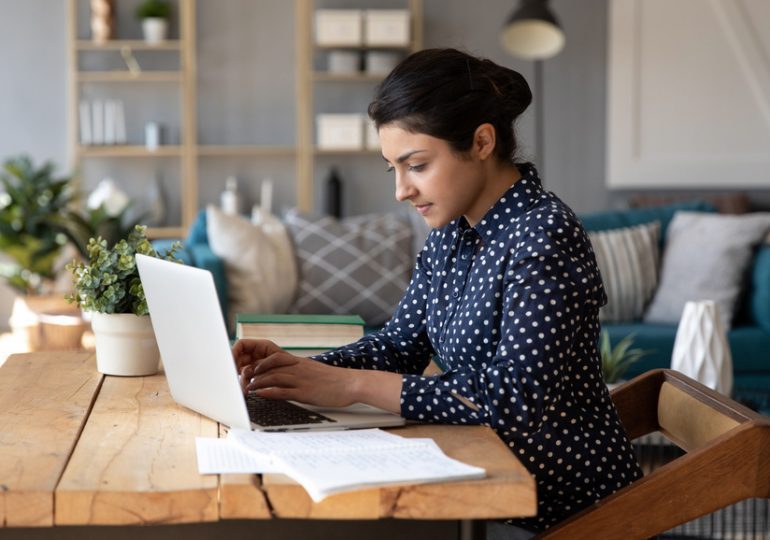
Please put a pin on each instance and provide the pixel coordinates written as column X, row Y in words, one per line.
column 509, row 309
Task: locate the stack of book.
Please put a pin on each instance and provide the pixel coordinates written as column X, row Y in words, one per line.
column 302, row 335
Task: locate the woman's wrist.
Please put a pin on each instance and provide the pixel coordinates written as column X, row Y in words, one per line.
column 378, row 388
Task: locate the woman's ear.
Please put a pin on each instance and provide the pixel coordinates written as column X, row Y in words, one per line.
column 484, row 140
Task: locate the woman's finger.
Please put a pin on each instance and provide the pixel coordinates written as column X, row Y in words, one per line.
column 274, row 379
column 275, row 361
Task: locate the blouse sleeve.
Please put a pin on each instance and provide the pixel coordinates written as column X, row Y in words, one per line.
column 550, row 288
column 402, row 346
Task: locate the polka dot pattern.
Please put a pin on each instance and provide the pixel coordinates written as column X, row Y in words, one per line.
column 510, row 308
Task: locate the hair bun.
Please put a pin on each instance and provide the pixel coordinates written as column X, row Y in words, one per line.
column 511, row 88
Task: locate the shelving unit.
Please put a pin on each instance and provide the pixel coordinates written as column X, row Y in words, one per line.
column 308, row 77
column 188, row 156
column 184, row 77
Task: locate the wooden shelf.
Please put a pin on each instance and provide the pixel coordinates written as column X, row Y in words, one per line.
column 166, row 232
column 324, row 76
column 135, row 44
column 128, row 151
column 218, row 150
column 127, row 76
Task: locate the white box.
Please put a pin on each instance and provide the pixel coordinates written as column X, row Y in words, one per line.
column 338, row 27
column 344, row 62
column 387, row 27
column 340, row 131
column 372, row 138
column 381, row 62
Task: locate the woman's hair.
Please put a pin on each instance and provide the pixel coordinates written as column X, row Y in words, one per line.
column 446, row 93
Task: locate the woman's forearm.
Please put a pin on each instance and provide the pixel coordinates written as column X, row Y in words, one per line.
column 377, row 388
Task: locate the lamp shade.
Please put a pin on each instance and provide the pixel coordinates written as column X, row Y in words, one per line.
column 532, row 32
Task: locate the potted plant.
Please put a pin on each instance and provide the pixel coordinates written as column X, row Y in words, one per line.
column 616, row 360
column 107, row 286
column 37, row 221
column 154, row 15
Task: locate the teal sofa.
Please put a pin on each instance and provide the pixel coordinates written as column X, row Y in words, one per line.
column 749, row 337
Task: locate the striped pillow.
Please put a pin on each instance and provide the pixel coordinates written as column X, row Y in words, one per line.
column 628, row 262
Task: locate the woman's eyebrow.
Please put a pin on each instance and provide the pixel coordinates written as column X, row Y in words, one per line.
column 403, row 157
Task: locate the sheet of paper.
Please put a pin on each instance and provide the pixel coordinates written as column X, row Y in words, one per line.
column 322, row 474
column 314, row 441
column 221, row 456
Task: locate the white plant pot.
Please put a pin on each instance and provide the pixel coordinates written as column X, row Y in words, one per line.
column 125, row 344
column 155, row 29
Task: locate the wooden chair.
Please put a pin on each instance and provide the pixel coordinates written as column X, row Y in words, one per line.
column 727, row 460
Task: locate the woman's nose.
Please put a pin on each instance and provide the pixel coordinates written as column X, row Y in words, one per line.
column 404, row 189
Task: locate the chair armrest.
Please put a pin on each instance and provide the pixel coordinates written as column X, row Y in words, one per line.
column 637, row 403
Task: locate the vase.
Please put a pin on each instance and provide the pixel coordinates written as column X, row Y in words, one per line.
column 102, row 20
column 701, row 350
column 125, row 344
column 154, row 29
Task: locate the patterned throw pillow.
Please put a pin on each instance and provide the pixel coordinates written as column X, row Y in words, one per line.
column 628, row 261
column 359, row 265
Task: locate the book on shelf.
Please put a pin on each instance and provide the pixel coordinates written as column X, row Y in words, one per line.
column 85, row 123
column 301, row 332
column 330, row 462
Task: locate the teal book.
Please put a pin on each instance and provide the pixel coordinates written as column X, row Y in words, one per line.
column 319, row 332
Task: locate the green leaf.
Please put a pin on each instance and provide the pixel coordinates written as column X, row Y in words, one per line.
column 616, row 360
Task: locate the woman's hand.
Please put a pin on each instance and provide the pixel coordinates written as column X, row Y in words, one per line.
column 251, row 351
column 276, row 374
column 284, row 376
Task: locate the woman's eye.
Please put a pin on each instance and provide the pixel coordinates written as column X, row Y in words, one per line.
column 389, row 168
column 417, row 168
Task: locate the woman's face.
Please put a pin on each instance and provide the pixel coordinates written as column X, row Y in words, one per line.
column 441, row 185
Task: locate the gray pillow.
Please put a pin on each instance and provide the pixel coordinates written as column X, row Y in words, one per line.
column 358, row 266
column 706, row 257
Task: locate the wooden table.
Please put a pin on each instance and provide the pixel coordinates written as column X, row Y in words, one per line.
column 81, row 448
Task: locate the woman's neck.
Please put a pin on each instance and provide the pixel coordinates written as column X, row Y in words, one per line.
column 500, row 177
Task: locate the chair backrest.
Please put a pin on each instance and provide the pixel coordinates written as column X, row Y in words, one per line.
column 727, row 460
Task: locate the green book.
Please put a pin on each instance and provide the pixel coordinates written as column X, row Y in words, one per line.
column 283, row 318
column 300, row 331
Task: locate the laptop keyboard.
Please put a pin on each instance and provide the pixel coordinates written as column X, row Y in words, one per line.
column 273, row 412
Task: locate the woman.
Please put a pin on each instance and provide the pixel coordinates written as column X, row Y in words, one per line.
column 506, row 293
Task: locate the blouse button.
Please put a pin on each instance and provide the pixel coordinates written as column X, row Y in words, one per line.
column 456, row 294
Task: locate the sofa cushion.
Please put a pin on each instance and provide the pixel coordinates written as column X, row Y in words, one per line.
column 628, row 262
column 258, row 259
column 706, row 258
column 615, row 219
column 760, row 288
column 748, row 346
column 359, row 265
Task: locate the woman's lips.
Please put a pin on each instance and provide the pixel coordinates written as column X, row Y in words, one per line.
column 423, row 208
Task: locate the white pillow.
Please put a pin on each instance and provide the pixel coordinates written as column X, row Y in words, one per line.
column 258, row 260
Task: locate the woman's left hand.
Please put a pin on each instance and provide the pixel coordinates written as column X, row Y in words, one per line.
column 285, row 376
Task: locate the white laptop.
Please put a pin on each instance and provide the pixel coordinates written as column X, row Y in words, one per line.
column 199, row 364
